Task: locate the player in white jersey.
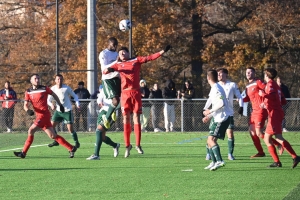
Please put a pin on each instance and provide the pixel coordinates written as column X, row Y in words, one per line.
column 104, row 103
column 111, row 82
column 64, row 93
column 218, row 116
column 231, row 90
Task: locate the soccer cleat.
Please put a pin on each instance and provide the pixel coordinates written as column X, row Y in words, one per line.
column 284, row 130
column 20, row 154
column 116, row 150
column 208, row 157
column 217, row 165
column 77, row 145
column 127, row 151
column 275, row 164
column 231, row 157
column 8, row 130
column 156, row 130
column 54, row 143
column 114, row 116
column 296, row 161
column 280, row 149
column 139, row 149
column 93, row 157
column 105, row 122
column 210, row 165
column 258, row 155
column 72, row 152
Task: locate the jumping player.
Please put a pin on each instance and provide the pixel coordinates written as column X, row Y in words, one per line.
column 273, row 101
column 38, row 95
column 131, row 102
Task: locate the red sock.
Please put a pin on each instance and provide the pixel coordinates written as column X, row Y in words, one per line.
column 257, row 144
column 275, row 142
column 28, row 143
column 289, row 148
column 273, row 153
column 137, row 132
column 63, row 142
column 127, row 131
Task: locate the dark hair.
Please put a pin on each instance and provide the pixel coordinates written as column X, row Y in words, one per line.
column 59, row 75
column 213, row 75
column 81, row 83
column 124, row 48
column 7, row 82
column 224, row 70
column 251, row 68
column 113, row 40
column 271, row 73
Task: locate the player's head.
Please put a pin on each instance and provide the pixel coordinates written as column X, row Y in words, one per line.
column 123, row 53
column 7, row 84
column 59, row 79
column 222, row 74
column 112, row 44
column 35, row 79
column 250, row 73
column 212, row 76
column 270, row 73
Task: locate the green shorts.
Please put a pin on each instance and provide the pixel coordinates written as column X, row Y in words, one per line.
column 218, row 129
column 231, row 123
column 100, row 120
column 112, row 87
column 66, row 117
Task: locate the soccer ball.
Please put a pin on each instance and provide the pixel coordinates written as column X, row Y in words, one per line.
column 125, row 25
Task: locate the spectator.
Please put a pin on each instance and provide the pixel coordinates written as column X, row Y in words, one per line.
column 82, row 93
column 96, row 93
column 169, row 92
column 187, row 93
column 155, row 93
column 145, row 92
column 286, row 93
column 8, row 106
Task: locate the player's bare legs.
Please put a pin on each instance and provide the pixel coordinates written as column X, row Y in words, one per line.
column 261, row 134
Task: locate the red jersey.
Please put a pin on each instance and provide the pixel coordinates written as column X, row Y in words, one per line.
column 252, row 95
column 130, row 70
column 38, row 98
column 273, row 97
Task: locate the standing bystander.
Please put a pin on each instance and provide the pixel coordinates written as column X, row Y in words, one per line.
column 82, row 93
column 156, row 107
column 169, row 92
column 145, row 92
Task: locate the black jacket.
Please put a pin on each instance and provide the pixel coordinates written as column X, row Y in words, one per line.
column 82, row 93
column 155, row 94
column 169, row 92
column 285, row 91
column 189, row 92
column 146, row 92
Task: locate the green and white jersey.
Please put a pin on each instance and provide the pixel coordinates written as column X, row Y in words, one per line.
column 64, row 93
column 107, row 58
column 231, row 90
column 216, row 95
column 104, row 101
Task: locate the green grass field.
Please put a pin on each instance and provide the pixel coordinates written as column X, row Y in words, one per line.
column 171, row 168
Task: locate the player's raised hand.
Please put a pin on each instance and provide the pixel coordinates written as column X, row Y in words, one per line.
column 167, row 48
column 30, row 112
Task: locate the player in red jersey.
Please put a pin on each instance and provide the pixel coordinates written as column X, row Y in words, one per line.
column 273, row 101
column 131, row 102
column 38, row 95
column 258, row 115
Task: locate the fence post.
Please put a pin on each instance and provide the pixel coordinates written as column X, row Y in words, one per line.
column 181, row 117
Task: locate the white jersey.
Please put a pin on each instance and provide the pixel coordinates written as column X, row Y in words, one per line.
column 232, row 90
column 63, row 94
column 107, row 58
column 216, row 93
column 102, row 99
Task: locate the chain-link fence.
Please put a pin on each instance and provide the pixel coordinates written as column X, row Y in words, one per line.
column 184, row 115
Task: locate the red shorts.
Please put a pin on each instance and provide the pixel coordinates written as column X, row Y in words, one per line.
column 43, row 120
column 274, row 125
column 258, row 118
column 131, row 102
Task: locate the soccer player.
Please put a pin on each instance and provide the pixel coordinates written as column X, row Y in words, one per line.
column 63, row 92
column 131, row 102
column 104, row 103
column 273, row 101
column 111, row 82
column 37, row 94
column 258, row 115
column 218, row 116
column 231, row 90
